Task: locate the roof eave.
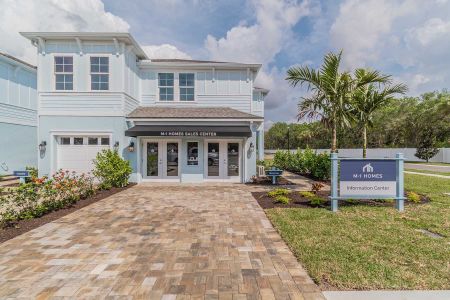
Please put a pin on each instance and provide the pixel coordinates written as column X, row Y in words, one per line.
column 203, row 65
column 89, row 36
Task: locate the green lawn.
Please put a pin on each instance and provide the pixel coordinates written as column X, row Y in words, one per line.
column 365, row 247
column 428, row 163
column 429, row 172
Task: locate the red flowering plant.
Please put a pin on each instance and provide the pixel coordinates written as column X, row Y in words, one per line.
column 42, row 195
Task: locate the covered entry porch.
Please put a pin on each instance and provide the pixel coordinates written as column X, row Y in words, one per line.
column 193, row 144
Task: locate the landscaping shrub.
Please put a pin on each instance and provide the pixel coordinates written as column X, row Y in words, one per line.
column 306, row 162
column 306, row 194
column 42, row 195
column 316, row 200
column 313, row 198
column 316, row 187
column 413, row 197
column 111, row 169
column 278, row 192
column 33, row 171
column 282, row 199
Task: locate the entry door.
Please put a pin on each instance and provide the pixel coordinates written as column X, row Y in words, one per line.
column 223, row 160
column 160, row 161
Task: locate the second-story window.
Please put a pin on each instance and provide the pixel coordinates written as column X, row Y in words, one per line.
column 63, row 73
column 186, row 81
column 165, row 85
column 99, row 73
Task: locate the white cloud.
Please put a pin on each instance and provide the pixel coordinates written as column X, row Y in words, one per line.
column 51, row 15
column 433, row 30
column 165, row 51
column 259, row 43
column 407, row 38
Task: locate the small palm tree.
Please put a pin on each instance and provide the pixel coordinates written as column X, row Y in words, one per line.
column 330, row 92
column 368, row 99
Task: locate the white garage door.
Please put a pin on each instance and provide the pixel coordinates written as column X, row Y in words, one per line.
column 75, row 153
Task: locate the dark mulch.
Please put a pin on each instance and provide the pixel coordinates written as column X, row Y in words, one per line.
column 264, row 180
column 23, row 226
column 297, row 201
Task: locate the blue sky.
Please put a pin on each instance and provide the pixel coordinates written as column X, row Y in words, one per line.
column 409, row 39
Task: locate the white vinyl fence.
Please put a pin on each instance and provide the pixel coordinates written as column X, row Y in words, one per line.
column 442, row 156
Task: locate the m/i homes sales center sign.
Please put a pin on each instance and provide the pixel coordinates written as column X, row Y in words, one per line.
column 360, row 177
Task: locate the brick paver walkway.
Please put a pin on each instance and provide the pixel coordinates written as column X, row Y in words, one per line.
column 157, row 242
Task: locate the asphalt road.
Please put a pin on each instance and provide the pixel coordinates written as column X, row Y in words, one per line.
column 435, row 168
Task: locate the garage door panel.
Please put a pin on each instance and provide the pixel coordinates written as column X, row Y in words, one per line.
column 78, row 158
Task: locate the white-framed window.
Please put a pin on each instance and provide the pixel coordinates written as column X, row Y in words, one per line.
column 186, row 83
column 78, row 141
column 63, row 73
column 99, row 73
column 104, row 141
column 92, row 140
column 165, row 85
column 65, row 140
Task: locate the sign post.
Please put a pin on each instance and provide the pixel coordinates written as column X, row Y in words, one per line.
column 367, row 179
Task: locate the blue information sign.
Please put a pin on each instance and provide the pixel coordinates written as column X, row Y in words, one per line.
column 365, row 177
column 21, row 173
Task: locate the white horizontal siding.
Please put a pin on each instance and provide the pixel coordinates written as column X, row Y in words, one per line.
column 17, row 115
column 239, row 102
column 130, row 104
column 86, row 104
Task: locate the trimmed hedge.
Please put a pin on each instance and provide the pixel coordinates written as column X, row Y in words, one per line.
column 305, row 162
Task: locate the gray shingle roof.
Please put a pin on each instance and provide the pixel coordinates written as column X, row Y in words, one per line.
column 190, row 113
column 17, row 60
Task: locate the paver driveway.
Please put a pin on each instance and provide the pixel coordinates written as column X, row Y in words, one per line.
column 157, row 242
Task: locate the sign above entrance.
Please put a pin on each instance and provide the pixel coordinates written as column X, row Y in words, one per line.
column 368, row 177
column 190, row 130
column 188, row 133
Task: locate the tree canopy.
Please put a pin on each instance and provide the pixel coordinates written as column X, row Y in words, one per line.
column 402, row 122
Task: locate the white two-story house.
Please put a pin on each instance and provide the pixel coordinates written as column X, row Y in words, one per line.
column 174, row 120
column 18, row 115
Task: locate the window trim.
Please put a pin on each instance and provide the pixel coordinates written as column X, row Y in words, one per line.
column 176, row 86
column 99, row 73
column 166, row 86
column 55, row 55
column 188, row 86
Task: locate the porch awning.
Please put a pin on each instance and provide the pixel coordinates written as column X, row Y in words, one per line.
column 183, row 130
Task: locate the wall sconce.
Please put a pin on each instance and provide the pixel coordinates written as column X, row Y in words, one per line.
column 116, row 145
column 131, row 147
column 42, row 146
column 252, row 147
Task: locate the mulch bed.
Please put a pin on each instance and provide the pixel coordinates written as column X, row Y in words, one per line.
column 23, row 226
column 264, row 180
column 297, row 201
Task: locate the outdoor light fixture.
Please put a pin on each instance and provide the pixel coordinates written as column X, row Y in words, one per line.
column 252, row 147
column 131, row 147
column 116, row 145
column 42, row 146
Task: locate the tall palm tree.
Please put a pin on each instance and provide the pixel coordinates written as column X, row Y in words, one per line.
column 370, row 98
column 330, row 92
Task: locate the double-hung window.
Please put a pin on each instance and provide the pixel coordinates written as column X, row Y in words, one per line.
column 99, row 73
column 165, row 85
column 63, row 73
column 186, row 81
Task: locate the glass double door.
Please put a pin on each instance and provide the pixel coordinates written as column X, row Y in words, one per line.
column 161, row 160
column 223, row 160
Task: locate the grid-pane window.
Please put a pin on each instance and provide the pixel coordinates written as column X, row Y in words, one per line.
column 78, row 141
column 63, row 73
column 92, row 141
column 105, row 141
column 165, row 84
column 99, row 73
column 65, row 141
column 187, row 82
